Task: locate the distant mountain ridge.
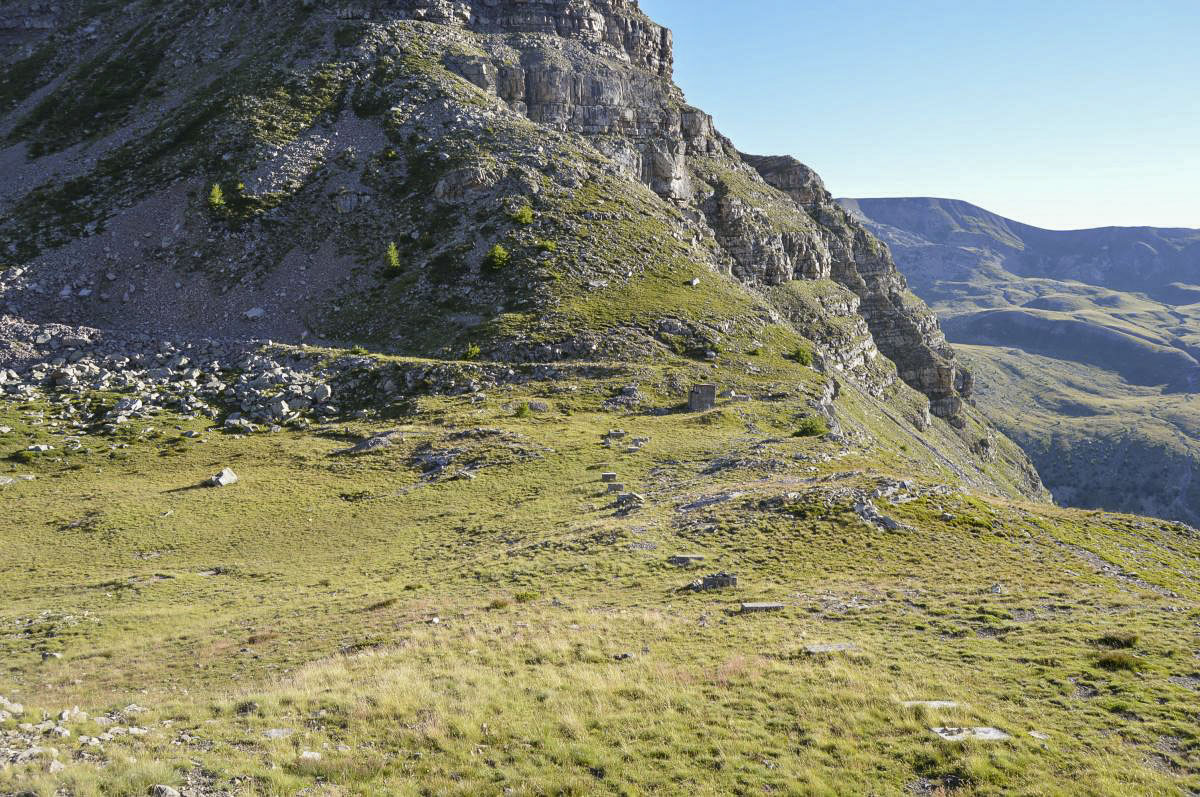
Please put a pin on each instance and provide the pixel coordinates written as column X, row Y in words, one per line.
column 1163, row 263
column 1085, row 343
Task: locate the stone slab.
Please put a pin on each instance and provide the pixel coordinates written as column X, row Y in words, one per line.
column 747, row 608
column 975, row 734
column 835, row 647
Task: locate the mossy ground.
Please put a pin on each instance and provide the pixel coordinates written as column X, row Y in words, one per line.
column 301, row 598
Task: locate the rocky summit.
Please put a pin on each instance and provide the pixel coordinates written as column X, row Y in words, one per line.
column 374, row 375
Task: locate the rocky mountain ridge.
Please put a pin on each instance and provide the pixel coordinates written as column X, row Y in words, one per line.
column 522, row 180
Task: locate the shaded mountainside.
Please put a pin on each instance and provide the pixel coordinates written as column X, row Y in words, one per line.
column 1161, row 263
column 1109, row 321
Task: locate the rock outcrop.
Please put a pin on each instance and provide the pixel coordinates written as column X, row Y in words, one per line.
column 638, row 118
column 905, row 330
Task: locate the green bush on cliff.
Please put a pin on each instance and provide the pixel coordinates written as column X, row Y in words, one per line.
column 392, row 259
column 497, row 257
column 803, row 355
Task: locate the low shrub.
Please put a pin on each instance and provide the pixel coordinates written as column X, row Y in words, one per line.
column 392, row 259
column 1115, row 660
column 216, row 198
column 803, row 355
column 812, row 426
column 523, row 215
column 1118, row 639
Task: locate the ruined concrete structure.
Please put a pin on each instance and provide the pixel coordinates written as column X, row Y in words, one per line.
column 702, row 398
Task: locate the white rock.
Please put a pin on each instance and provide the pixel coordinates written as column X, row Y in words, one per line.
column 223, row 479
column 309, row 755
column 978, row 734
column 73, row 715
column 255, row 313
column 163, row 791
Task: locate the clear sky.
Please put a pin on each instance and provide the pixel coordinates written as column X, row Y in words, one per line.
column 1059, row 113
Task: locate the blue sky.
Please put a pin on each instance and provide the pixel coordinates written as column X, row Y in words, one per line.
column 1059, row 113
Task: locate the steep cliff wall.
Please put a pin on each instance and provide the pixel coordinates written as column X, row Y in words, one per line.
column 638, row 117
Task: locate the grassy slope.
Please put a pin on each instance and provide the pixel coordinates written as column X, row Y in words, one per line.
column 1095, row 438
column 309, row 584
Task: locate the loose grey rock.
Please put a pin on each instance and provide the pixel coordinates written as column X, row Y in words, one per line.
column 163, row 791
column 750, row 608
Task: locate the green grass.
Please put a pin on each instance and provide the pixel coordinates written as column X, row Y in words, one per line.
column 301, row 598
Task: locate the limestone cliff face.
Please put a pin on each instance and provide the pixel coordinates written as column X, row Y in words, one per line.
column 609, row 77
column 616, row 25
column 903, row 327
